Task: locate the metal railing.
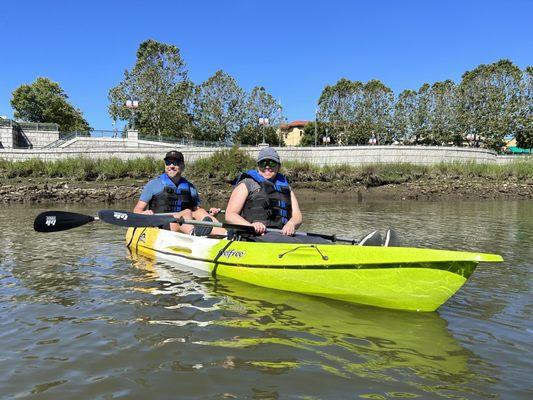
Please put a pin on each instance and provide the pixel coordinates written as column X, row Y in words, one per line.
column 183, row 141
column 100, row 133
column 30, row 126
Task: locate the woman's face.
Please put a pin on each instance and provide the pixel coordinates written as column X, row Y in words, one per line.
column 268, row 169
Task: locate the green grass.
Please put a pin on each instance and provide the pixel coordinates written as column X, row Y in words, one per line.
column 225, row 165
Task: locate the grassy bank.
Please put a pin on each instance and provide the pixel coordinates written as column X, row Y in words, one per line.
column 225, row 165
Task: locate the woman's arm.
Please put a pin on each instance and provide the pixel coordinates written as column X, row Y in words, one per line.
column 296, row 219
column 235, row 204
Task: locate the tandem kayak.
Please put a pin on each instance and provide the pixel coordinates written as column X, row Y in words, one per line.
column 390, row 277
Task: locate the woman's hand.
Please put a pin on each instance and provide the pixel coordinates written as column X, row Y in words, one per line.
column 288, row 229
column 259, row 227
column 214, row 210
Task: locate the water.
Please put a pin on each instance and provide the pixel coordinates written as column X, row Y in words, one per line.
column 80, row 317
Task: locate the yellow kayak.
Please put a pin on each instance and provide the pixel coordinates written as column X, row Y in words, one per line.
column 391, row 277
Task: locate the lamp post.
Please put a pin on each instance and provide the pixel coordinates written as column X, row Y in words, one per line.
column 133, row 105
column 263, row 121
column 280, row 109
column 316, row 126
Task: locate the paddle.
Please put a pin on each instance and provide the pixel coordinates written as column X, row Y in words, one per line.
column 55, row 221
column 129, row 219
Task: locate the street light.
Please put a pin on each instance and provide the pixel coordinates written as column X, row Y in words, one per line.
column 263, row 121
column 133, row 105
column 316, row 126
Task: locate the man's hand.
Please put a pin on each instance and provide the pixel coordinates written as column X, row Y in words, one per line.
column 148, row 212
column 288, row 229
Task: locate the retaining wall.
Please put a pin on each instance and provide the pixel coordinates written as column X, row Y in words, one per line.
column 351, row 155
column 6, row 137
column 10, row 138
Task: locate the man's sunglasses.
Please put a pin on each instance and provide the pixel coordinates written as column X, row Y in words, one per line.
column 267, row 163
column 172, row 162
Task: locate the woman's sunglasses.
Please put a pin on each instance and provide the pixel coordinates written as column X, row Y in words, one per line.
column 172, row 162
column 267, row 163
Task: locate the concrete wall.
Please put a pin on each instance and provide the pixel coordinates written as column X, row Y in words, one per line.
column 352, row 155
column 41, row 138
column 6, row 137
column 10, row 138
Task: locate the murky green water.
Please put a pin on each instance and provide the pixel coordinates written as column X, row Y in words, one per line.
column 81, row 318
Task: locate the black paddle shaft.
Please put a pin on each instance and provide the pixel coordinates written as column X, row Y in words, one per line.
column 133, row 220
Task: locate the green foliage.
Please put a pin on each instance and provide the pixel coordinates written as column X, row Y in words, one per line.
column 489, row 101
column 222, row 166
column 82, row 169
column 524, row 123
column 355, row 111
column 260, row 103
column 308, row 138
column 253, row 135
column 45, row 101
column 219, row 108
column 160, row 83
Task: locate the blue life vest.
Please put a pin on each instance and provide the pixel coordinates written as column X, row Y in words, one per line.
column 271, row 205
column 173, row 198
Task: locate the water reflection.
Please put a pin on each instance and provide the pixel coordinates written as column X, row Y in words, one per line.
column 281, row 331
column 75, row 317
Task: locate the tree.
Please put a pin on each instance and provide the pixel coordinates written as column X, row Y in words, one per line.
column 443, row 114
column 404, row 116
column 260, row 103
column 339, row 107
column 159, row 81
column 308, row 138
column 524, row 125
column 354, row 111
column 219, row 108
column 489, row 98
column 375, row 113
column 422, row 113
column 45, row 101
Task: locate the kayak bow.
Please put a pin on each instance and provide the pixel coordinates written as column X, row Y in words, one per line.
column 391, row 277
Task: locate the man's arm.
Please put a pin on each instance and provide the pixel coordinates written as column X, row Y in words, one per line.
column 144, row 199
column 140, row 208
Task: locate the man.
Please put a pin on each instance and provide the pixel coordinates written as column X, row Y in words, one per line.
column 171, row 192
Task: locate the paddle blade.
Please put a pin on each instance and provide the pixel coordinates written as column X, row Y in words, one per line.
column 55, row 221
column 132, row 220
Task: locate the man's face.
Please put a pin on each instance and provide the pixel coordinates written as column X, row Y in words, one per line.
column 173, row 167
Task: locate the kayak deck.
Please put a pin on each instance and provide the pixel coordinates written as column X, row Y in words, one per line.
column 391, row 277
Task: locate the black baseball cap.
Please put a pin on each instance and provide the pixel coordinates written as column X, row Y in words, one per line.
column 176, row 155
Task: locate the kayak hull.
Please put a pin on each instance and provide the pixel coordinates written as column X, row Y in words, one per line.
column 390, row 277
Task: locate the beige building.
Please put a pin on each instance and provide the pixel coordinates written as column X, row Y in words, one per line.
column 292, row 133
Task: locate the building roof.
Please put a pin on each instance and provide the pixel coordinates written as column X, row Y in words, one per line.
column 298, row 123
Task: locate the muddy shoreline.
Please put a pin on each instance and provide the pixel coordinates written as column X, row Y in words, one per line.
column 53, row 191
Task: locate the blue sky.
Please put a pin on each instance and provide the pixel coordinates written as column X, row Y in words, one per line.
column 292, row 48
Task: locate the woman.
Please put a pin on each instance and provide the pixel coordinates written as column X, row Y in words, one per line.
column 263, row 199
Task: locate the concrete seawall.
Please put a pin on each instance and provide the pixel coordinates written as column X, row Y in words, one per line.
column 350, row 155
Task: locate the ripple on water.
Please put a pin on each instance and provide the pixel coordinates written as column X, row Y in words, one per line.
column 80, row 318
